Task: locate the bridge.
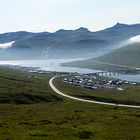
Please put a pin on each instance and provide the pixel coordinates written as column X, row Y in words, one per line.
column 116, row 72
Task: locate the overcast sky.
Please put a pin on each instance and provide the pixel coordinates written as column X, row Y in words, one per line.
column 51, row 15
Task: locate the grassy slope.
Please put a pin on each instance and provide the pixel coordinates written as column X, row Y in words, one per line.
column 63, row 120
column 128, row 55
column 16, row 87
column 68, row 120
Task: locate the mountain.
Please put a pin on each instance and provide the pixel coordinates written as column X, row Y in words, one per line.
column 79, row 43
column 126, row 57
column 120, row 31
column 15, row 36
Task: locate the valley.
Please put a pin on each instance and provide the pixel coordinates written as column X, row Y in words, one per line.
column 69, row 70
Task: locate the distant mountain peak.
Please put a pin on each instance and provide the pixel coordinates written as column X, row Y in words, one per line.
column 120, row 25
column 61, row 31
column 79, row 30
column 82, row 29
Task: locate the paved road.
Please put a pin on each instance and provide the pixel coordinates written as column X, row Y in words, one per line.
column 84, row 100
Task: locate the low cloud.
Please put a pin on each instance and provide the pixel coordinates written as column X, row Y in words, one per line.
column 6, row 45
column 135, row 39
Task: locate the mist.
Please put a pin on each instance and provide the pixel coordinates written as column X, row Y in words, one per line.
column 135, row 39
column 6, row 45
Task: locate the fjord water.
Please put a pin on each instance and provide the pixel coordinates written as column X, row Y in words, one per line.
column 55, row 65
column 49, row 65
column 129, row 77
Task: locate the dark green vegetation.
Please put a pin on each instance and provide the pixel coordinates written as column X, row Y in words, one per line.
column 80, row 43
column 68, row 120
column 128, row 56
column 63, row 119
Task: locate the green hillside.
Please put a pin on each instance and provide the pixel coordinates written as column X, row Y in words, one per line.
column 126, row 57
column 18, row 87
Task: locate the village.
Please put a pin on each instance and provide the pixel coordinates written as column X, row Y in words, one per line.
column 91, row 81
column 94, row 82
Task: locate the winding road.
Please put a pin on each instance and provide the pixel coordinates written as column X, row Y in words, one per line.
column 84, row 100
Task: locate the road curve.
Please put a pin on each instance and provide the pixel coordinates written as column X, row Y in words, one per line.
column 84, row 100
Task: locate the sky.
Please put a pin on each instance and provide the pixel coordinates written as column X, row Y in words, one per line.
column 52, row 15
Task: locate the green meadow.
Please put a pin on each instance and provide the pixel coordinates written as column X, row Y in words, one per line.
column 30, row 110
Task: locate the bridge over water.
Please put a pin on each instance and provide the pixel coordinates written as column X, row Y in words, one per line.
column 117, row 72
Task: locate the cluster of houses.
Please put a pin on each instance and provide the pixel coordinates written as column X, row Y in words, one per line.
column 92, row 82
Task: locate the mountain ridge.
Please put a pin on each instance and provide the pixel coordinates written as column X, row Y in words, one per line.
column 65, row 43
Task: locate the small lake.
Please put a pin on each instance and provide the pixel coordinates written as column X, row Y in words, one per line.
column 54, row 65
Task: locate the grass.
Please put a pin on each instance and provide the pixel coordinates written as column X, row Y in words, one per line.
column 130, row 95
column 127, row 55
column 17, row 87
column 68, row 120
column 60, row 120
